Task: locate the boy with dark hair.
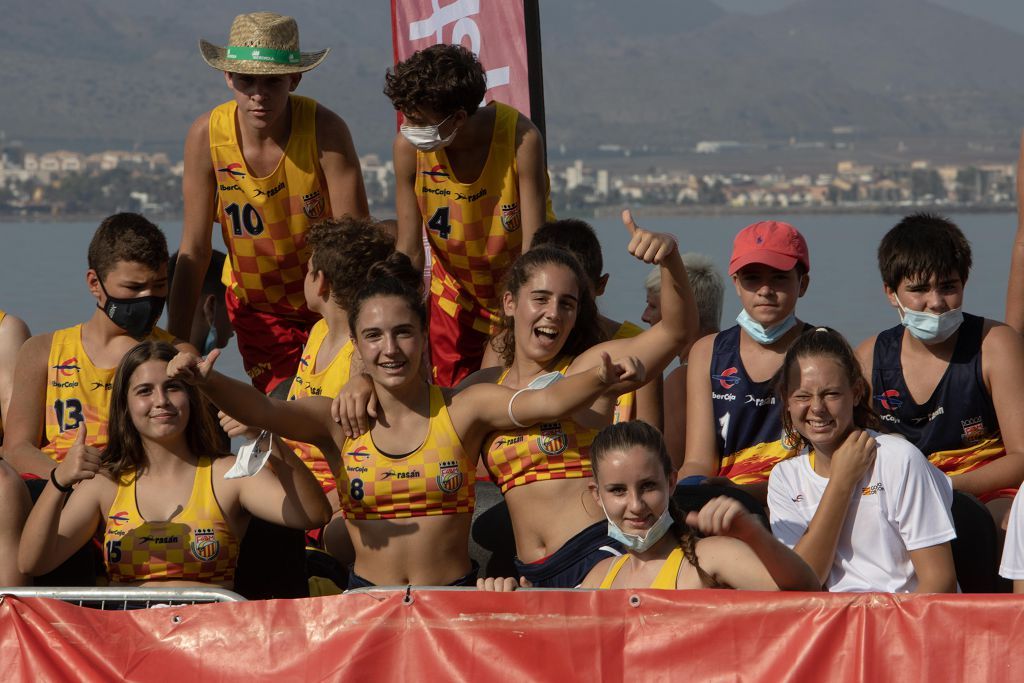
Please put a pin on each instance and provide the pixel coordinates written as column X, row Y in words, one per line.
column 734, row 420
column 265, row 165
column 476, row 179
column 64, row 377
column 579, row 237
column 945, row 379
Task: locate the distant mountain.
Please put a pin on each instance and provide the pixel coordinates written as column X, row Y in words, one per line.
column 89, row 75
column 889, row 67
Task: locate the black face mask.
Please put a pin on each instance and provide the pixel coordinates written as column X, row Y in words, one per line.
column 135, row 316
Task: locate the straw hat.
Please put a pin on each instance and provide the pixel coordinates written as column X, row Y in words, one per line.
column 261, row 43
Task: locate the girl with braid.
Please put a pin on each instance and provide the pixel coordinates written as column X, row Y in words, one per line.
column 633, row 483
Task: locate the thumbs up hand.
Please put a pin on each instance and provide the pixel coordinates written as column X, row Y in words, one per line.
column 81, row 461
column 649, row 247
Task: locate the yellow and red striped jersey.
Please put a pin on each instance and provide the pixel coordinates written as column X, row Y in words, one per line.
column 194, row 545
column 550, row 450
column 328, row 382
column 438, row 478
column 475, row 228
column 265, row 220
column 77, row 392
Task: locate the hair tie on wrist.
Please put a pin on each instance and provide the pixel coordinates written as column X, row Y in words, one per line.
column 53, row 480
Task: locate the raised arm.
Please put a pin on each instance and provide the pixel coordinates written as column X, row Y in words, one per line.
column 24, row 425
column 410, row 221
column 1015, row 287
column 285, row 492
column 199, row 186
column 744, row 554
column 671, row 337
column 483, row 408
column 307, row 419
column 340, row 164
column 533, row 178
column 58, row 525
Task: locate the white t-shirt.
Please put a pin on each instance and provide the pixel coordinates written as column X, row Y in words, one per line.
column 1012, row 566
column 903, row 505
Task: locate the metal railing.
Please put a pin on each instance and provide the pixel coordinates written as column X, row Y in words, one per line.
column 128, row 597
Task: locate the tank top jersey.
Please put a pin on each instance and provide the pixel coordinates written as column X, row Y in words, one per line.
column 748, row 415
column 438, row 478
column 625, row 404
column 76, row 392
column 549, row 450
column 265, row 220
column 195, row 545
column 667, row 575
column 475, row 229
column 956, row 427
column 328, row 382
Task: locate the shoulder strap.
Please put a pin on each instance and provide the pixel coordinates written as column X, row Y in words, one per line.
column 669, row 572
column 613, row 571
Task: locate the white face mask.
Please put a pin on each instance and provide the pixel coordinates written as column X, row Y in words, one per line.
column 639, row 544
column 427, row 138
column 931, row 328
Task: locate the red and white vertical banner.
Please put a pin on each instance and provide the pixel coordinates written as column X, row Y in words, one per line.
column 503, row 34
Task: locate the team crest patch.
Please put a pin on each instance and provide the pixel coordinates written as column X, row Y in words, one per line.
column 450, row 480
column 974, row 430
column 553, row 440
column 313, row 204
column 205, row 547
column 511, row 219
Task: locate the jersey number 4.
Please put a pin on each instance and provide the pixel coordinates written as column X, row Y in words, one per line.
column 439, row 222
column 246, row 217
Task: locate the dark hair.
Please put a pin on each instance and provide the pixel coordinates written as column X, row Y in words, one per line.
column 585, row 333
column 920, row 246
column 442, row 78
column 578, row 237
column 345, row 249
column 212, row 283
column 125, row 451
column 394, row 276
column 126, row 237
column 621, row 437
column 823, row 341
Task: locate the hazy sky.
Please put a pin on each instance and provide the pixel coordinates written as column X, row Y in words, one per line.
column 1006, row 13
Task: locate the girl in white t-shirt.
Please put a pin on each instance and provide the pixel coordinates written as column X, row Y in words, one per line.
column 1012, row 565
column 866, row 511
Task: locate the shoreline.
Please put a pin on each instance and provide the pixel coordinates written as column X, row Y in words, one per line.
column 607, row 211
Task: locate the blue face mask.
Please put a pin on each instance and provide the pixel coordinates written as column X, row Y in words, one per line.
column 211, row 341
column 930, row 328
column 639, row 544
column 758, row 332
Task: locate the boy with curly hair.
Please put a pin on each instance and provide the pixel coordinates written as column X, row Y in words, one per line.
column 475, row 177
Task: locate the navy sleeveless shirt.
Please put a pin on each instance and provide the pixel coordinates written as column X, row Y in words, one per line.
column 748, row 415
column 956, row 427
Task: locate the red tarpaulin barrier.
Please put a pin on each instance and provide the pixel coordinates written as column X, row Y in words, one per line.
column 536, row 635
column 504, row 34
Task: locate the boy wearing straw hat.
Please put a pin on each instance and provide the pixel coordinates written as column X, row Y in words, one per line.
column 265, row 165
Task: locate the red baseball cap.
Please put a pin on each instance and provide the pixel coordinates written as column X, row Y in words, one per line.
column 772, row 243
